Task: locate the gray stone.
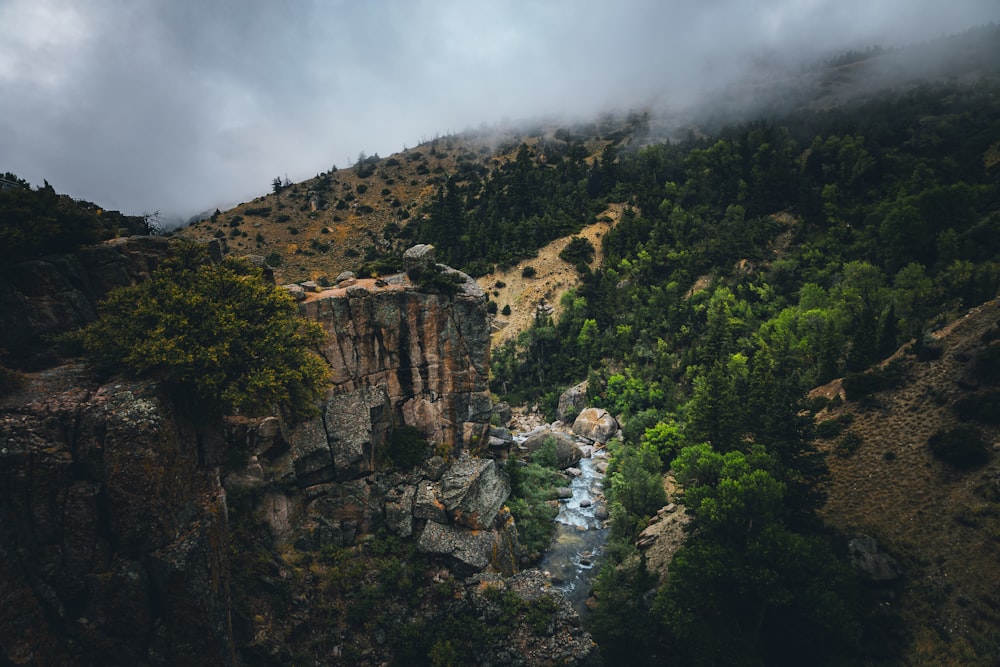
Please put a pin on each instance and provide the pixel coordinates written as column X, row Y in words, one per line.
column 345, row 276
column 399, row 511
column 427, row 505
column 297, row 291
column 567, row 452
column 872, row 563
column 470, row 551
column 421, row 256
column 473, row 491
column 596, row 424
column 564, row 492
column 357, row 422
column 434, row 467
column 310, row 286
column 311, row 454
column 571, row 402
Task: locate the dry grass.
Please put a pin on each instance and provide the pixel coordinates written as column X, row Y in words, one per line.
column 553, row 278
column 927, row 515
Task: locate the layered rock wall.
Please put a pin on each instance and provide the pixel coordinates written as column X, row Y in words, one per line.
column 427, row 352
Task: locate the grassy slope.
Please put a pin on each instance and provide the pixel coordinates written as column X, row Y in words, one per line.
column 932, row 518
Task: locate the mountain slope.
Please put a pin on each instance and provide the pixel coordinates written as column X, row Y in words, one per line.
column 942, row 523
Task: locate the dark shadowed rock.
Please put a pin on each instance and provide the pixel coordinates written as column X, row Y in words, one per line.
column 571, row 402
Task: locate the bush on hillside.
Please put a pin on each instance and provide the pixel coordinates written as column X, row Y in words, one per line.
column 962, row 446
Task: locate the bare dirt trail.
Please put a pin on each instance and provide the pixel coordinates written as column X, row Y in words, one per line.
column 553, row 277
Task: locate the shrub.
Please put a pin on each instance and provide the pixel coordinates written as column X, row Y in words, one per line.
column 962, row 446
column 260, row 211
column 531, row 487
column 407, row 447
column 982, row 406
column 862, row 385
column 578, row 251
column 528, row 272
column 831, row 428
column 9, row 380
column 273, row 259
column 506, row 310
column 491, row 307
column 848, row 444
column 217, row 332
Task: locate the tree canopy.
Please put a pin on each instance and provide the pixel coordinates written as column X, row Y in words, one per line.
column 216, row 330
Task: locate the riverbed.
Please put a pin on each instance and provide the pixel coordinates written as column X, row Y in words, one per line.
column 574, row 558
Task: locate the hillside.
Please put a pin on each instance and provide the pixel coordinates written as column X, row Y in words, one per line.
column 345, row 218
column 940, row 522
column 740, row 263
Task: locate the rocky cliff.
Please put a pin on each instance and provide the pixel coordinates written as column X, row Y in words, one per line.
column 133, row 533
column 112, row 528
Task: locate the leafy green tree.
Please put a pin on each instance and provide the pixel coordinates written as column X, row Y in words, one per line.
column 746, row 588
column 578, row 251
column 218, row 332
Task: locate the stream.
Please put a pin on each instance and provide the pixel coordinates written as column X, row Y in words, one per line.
column 573, row 559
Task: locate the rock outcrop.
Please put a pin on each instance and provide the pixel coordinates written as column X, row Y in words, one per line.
column 571, row 402
column 567, row 452
column 119, row 544
column 112, row 523
column 426, row 352
column 595, row 424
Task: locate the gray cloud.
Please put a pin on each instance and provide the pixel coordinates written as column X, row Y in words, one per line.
column 180, row 106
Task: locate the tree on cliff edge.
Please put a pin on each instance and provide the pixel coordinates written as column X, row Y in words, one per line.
column 216, row 331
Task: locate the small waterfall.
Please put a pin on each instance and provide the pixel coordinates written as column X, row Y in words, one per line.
column 573, row 560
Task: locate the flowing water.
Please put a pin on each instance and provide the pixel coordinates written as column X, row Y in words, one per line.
column 573, row 560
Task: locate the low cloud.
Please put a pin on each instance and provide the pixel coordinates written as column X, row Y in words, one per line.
column 184, row 106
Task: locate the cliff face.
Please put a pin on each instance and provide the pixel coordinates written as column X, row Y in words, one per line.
column 425, row 353
column 131, row 533
column 112, row 521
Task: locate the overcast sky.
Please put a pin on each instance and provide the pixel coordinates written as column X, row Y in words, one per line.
column 184, row 105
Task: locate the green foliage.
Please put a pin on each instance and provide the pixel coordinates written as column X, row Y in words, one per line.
column 273, row 259
column 579, row 250
column 217, row 331
column 434, row 278
column 745, row 577
column 531, row 488
column 963, row 446
column 831, row 428
column 636, row 489
column 407, row 447
column 859, row 386
column 528, row 271
column 667, row 439
column 38, row 222
column 849, row 443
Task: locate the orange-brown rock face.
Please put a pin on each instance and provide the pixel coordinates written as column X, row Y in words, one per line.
column 425, row 352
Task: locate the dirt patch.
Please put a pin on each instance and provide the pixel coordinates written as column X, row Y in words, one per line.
column 553, row 278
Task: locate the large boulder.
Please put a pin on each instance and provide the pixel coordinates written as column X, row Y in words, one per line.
column 595, row 424
column 568, row 454
column 571, row 402
column 469, row 551
column 473, row 491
